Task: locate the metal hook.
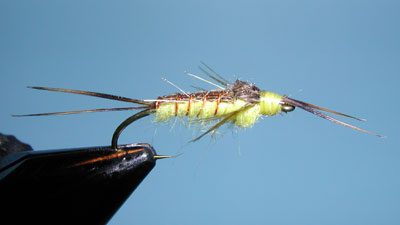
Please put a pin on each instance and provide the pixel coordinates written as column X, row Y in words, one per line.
column 126, row 123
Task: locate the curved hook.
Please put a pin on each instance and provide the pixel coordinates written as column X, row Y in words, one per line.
column 126, row 123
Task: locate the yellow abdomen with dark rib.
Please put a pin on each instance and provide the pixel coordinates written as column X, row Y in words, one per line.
column 206, row 107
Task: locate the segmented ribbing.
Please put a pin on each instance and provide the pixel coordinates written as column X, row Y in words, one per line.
column 217, row 96
column 195, row 104
column 218, row 102
column 177, row 104
column 189, row 104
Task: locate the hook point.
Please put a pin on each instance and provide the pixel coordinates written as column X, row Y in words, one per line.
column 156, row 157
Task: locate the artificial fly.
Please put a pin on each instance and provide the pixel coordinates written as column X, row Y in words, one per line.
column 240, row 103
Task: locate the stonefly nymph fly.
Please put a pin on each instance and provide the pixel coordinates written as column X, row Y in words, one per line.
column 240, row 103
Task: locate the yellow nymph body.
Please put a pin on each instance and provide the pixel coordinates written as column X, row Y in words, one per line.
column 240, row 103
column 269, row 104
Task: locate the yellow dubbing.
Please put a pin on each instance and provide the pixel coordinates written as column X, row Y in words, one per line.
column 270, row 103
column 182, row 109
column 208, row 109
column 248, row 117
column 197, row 109
column 165, row 111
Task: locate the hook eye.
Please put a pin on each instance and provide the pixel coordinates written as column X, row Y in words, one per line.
column 287, row 108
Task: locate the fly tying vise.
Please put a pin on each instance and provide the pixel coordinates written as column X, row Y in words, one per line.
column 240, row 103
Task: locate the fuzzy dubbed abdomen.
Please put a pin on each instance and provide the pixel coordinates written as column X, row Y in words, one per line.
column 193, row 109
column 200, row 109
column 247, row 118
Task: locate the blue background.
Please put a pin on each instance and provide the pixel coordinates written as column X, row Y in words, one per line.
column 291, row 169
